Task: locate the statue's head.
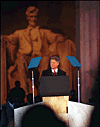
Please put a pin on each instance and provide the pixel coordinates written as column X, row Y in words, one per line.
column 31, row 15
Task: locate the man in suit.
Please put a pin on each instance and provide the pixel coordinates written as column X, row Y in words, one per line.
column 54, row 70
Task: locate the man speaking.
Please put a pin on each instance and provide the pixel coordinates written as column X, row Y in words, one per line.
column 54, row 81
column 54, row 70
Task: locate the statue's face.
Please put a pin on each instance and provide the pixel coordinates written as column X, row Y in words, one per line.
column 54, row 64
column 31, row 14
column 32, row 20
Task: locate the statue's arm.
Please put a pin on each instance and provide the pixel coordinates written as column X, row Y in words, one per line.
column 73, row 47
column 54, row 37
column 12, row 38
column 10, row 41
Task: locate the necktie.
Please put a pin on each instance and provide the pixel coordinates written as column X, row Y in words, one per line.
column 30, row 36
column 54, row 72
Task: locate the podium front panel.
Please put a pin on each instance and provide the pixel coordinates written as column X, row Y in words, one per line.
column 54, row 86
column 59, row 104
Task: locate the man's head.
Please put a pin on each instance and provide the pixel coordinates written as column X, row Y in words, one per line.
column 54, row 62
column 17, row 84
column 31, row 15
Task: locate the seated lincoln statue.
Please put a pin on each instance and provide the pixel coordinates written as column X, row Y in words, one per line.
column 32, row 42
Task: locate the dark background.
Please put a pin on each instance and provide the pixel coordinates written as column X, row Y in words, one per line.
column 59, row 16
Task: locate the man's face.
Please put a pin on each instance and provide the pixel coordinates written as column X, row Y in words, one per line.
column 32, row 20
column 54, row 64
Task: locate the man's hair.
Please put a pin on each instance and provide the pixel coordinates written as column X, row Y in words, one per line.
column 55, row 58
column 32, row 11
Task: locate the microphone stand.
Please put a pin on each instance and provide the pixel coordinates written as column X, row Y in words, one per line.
column 78, row 87
column 33, row 86
column 34, row 63
column 75, row 63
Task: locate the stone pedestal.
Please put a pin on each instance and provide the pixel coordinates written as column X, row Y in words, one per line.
column 59, row 104
column 79, row 115
column 19, row 112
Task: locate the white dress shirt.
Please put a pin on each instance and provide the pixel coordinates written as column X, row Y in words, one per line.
column 53, row 70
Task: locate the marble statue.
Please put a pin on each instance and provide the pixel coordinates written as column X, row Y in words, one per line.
column 32, row 42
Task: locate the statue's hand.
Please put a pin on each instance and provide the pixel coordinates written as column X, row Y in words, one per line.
column 4, row 38
column 60, row 38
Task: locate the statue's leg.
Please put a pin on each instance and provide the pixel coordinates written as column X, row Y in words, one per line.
column 63, row 51
column 22, row 63
column 12, row 76
column 44, row 64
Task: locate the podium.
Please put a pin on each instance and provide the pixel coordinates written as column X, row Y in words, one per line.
column 58, row 104
column 55, row 92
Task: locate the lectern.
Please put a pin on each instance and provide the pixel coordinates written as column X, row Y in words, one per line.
column 55, row 92
column 54, row 86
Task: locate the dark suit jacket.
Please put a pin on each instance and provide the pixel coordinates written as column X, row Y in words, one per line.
column 48, row 72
